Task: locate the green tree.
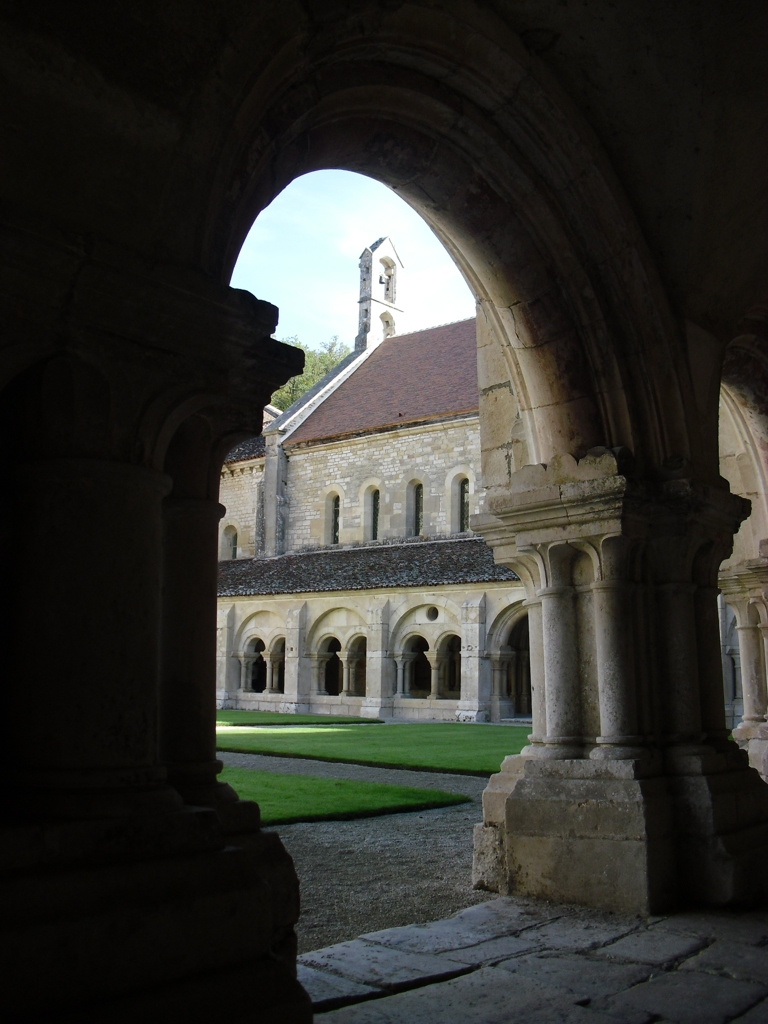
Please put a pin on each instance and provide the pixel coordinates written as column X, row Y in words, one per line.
column 316, row 365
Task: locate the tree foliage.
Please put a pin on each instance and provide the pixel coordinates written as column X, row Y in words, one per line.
column 316, row 365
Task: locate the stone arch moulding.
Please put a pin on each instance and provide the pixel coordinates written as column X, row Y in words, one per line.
column 329, row 624
column 403, row 623
column 264, row 625
column 502, row 625
column 352, row 639
column 453, row 482
column 507, row 174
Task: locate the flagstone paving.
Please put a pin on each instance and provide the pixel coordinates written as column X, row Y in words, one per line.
column 517, row 961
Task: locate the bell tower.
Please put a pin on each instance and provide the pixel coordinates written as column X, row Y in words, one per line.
column 379, row 264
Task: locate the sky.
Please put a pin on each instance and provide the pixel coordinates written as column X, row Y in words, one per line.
column 302, row 254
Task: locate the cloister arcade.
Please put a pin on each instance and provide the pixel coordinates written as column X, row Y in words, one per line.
column 597, row 173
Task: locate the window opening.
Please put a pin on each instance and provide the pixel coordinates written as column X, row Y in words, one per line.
column 335, row 507
column 418, row 510
column 333, row 668
column 258, row 667
column 420, row 671
column 229, row 543
column 375, row 500
column 464, row 506
column 519, row 670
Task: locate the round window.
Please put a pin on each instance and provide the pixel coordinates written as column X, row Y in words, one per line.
column 431, row 614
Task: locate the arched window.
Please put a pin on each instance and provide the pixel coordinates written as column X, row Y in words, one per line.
column 333, row 668
column 375, row 503
column 228, row 543
column 451, row 664
column 258, row 666
column 335, row 510
column 387, row 325
column 332, row 518
column 418, row 672
column 464, row 506
column 418, row 510
column 388, row 278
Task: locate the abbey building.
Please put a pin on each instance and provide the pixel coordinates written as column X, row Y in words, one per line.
column 350, row 581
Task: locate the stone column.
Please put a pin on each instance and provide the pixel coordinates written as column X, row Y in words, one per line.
column 678, row 650
column 750, row 651
column 270, row 674
column 669, row 817
column 563, row 713
column 710, row 665
column 318, row 663
column 536, row 668
column 617, row 689
column 188, row 708
column 434, row 663
column 95, row 752
column 346, row 661
column 246, row 664
column 400, row 684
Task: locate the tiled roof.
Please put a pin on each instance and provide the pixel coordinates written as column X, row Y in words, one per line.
column 406, row 564
column 408, row 378
column 253, row 448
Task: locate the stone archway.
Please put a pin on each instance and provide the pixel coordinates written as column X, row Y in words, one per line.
column 610, row 266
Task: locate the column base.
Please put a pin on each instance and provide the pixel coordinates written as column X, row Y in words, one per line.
column 173, row 927
column 753, row 737
column 473, row 711
column 624, row 835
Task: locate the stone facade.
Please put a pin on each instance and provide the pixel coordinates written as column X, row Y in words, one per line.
column 316, row 494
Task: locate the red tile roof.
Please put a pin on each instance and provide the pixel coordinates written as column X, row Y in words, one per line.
column 425, row 375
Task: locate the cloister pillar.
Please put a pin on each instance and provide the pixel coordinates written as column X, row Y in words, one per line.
column 346, row 673
column 617, row 687
column 752, row 732
column 475, row 702
column 128, row 567
column 187, row 705
column 246, row 665
column 635, row 800
column 562, row 699
column 536, row 669
column 434, row 664
column 400, row 684
column 318, row 661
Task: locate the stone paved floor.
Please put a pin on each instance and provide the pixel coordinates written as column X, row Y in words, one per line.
column 516, row 961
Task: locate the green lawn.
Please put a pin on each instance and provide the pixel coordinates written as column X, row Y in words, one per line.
column 287, row 798
column 276, row 718
column 451, row 747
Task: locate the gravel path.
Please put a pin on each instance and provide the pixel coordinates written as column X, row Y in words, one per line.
column 372, row 873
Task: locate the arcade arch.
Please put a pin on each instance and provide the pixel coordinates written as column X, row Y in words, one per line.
column 590, row 297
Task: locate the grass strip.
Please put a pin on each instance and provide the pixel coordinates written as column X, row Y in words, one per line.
column 278, row 718
column 436, row 747
column 284, row 799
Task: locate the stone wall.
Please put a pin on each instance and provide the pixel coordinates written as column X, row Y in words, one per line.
column 239, row 493
column 433, row 454
column 481, row 614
